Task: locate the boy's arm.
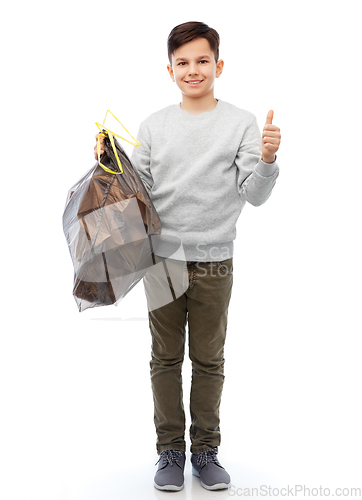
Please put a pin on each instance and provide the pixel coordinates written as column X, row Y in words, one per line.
column 141, row 157
column 256, row 179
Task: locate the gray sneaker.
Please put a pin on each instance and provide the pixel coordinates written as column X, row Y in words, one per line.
column 206, row 466
column 170, row 472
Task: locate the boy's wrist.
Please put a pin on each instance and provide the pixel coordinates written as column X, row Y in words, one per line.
column 269, row 159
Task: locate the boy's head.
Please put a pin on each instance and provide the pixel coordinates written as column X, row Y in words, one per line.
column 193, row 52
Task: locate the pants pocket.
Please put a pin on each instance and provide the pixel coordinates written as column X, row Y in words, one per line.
column 225, row 267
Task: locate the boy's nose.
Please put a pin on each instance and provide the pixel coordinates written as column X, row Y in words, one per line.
column 193, row 70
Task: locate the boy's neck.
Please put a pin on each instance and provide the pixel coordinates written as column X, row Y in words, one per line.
column 199, row 105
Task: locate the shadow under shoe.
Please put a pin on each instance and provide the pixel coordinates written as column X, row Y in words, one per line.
column 206, row 466
column 170, row 472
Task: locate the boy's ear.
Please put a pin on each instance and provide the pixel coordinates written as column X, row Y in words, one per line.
column 170, row 70
column 219, row 67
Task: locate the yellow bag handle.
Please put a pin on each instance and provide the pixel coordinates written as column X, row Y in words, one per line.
column 110, row 135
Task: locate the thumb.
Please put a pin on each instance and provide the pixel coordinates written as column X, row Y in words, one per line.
column 269, row 117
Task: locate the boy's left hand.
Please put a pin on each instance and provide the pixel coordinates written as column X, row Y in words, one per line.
column 271, row 139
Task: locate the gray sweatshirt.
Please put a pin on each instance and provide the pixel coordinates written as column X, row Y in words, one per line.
column 199, row 171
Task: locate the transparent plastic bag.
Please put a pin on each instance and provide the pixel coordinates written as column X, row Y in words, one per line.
column 107, row 221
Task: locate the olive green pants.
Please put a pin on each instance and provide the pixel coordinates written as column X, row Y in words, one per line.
column 204, row 306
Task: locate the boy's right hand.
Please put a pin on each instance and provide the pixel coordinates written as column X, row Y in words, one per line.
column 96, row 146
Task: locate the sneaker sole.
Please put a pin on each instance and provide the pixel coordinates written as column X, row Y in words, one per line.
column 169, row 487
column 219, row 486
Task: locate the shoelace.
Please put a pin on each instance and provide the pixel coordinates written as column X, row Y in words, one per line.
column 171, row 457
column 207, row 456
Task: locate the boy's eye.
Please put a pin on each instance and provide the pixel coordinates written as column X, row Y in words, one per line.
column 202, row 61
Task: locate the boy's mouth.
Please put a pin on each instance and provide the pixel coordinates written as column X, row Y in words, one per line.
column 193, row 83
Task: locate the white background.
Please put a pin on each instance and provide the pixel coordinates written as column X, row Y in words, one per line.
column 76, row 413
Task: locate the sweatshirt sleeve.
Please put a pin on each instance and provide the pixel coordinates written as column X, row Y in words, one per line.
column 256, row 179
column 141, row 157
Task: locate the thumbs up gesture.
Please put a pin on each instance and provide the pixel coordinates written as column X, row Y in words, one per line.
column 270, row 139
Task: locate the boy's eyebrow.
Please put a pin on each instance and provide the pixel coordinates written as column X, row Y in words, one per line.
column 199, row 57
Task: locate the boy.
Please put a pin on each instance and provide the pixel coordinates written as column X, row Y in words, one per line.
column 200, row 161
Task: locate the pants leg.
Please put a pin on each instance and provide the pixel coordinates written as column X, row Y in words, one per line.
column 167, row 326
column 207, row 302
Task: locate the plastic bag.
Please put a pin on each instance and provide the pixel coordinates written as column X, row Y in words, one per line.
column 108, row 221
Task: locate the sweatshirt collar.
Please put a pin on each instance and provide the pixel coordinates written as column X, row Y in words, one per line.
column 202, row 116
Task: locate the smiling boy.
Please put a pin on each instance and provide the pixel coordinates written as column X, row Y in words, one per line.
column 194, row 69
column 200, row 161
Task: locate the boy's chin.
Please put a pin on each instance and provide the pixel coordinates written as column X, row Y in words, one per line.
column 193, row 92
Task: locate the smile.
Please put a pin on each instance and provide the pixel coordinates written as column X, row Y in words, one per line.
column 193, row 83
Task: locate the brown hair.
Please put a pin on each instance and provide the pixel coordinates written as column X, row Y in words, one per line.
column 186, row 32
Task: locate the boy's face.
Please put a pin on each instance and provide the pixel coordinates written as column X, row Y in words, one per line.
column 194, row 68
